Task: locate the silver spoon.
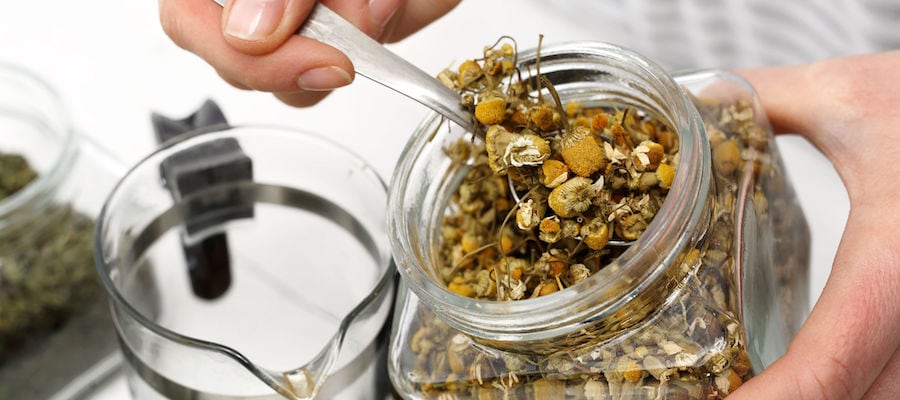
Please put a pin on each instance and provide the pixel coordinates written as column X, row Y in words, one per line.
column 377, row 63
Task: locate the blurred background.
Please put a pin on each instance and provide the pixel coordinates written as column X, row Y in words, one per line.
column 112, row 66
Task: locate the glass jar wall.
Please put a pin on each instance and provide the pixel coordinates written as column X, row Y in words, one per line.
column 709, row 294
column 53, row 316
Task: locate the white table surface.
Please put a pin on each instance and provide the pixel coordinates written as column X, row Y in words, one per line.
column 112, row 65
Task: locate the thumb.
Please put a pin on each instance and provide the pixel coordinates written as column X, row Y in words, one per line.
column 261, row 26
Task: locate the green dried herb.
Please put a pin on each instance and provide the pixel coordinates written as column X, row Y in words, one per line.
column 15, row 173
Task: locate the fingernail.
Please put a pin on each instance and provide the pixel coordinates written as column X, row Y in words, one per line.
column 254, row 19
column 381, row 11
column 324, row 78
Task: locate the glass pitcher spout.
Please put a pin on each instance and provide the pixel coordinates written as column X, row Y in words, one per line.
column 305, row 383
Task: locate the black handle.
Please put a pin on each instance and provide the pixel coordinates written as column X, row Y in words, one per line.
column 193, row 171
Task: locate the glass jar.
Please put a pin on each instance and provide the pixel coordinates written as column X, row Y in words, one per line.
column 54, row 320
column 710, row 294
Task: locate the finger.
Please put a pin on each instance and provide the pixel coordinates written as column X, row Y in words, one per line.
column 297, row 99
column 299, row 65
column 390, row 20
column 782, row 91
column 851, row 333
column 887, row 386
column 844, row 106
column 261, row 26
column 413, row 16
column 368, row 16
column 301, row 99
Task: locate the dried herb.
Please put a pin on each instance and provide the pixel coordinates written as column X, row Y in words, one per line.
column 15, row 173
column 551, row 193
column 554, row 192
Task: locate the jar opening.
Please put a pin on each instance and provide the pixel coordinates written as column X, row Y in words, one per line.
column 33, row 124
column 591, row 73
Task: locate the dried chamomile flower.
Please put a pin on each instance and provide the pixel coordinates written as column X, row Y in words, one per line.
column 546, row 287
column 496, row 141
column 498, row 67
column 595, row 390
column 554, row 173
column 530, row 213
column 491, row 110
column 647, row 156
column 631, row 226
column 527, row 149
column 550, row 229
column 595, row 233
column 599, row 121
column 726, row 157
column 484, row 285
column 544, row 118
column 572, row 197
column 470, row 242
column 469, row 71
column 570, row 228
column 578, row 273
column 665, row 174
column 633, row 372
column 506, row 149
column 456, row 356
column 614, row 155
column 459, row 286
column 517, row 290
column 581, row 152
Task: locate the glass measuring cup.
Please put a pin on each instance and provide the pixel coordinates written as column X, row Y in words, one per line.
column 249, row 262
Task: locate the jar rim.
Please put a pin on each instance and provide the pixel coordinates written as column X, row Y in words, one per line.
column 38, row 192
column 645, row 260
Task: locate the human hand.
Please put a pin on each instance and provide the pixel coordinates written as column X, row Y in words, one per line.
column 849, row 108
column 252, row 45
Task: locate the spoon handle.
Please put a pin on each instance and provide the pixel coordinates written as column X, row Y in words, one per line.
column 375, row 62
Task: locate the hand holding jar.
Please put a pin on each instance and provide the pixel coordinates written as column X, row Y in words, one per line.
column 849, row 347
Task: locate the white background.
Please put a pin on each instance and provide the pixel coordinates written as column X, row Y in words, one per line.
column 112, row 65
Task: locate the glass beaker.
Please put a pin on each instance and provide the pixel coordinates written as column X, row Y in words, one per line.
column 249, row 262
column 709, row 294
column 53, row 313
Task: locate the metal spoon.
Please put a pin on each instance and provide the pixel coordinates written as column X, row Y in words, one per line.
column 377, row 63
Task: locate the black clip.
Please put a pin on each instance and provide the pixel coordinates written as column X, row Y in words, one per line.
column 198, row 169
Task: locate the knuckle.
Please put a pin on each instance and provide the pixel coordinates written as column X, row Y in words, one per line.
column 170, row 22
column 831, row 379
column 263, row 81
